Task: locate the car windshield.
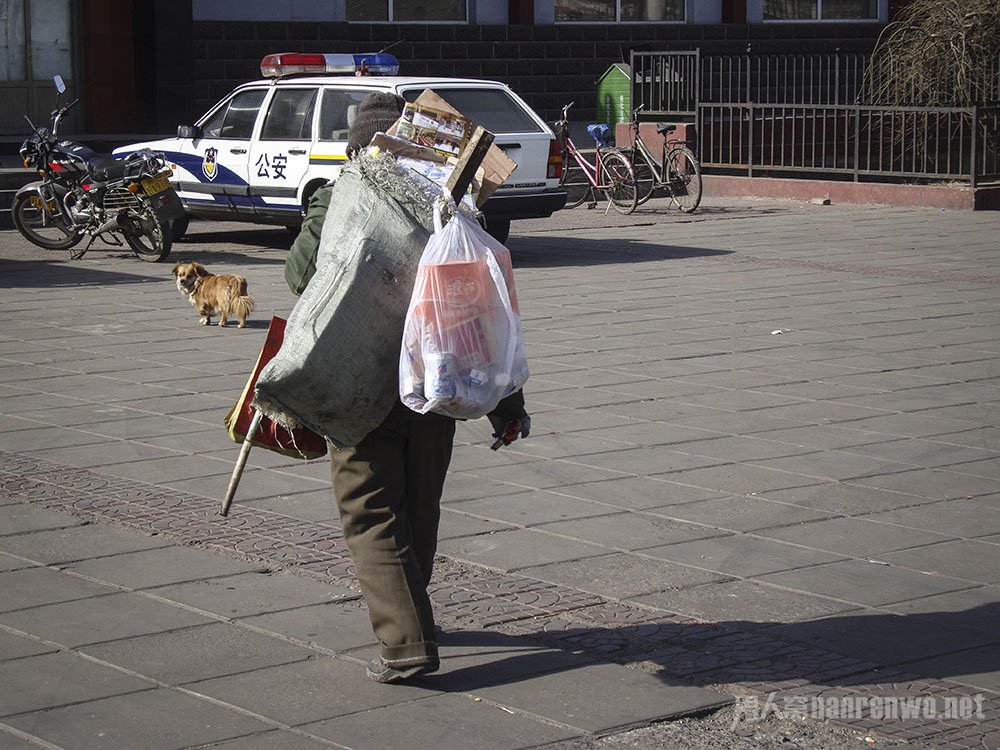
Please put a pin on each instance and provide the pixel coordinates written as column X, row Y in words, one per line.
column 494, row 109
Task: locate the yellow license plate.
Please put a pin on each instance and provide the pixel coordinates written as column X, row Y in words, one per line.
column 154, row 185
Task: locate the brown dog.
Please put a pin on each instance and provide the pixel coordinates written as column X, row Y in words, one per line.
column 225, row 294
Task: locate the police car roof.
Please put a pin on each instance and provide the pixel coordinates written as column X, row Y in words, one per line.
column 372, row 82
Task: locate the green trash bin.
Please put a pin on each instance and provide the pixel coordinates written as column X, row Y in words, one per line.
column 614, row 95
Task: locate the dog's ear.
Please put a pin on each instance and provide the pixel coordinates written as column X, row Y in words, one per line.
column 200, row 269
column 177, row 268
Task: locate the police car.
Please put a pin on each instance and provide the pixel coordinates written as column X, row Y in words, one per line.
column 259, row 154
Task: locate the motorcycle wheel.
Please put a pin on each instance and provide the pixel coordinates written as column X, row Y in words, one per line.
column 148, row 237
column 30, row 222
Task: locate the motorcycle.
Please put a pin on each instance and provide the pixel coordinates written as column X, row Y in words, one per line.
column 86, row 194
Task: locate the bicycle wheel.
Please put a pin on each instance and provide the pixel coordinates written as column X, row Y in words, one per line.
column 684, row 180
column 574, row 182
column 621, row 180
column 645, row 176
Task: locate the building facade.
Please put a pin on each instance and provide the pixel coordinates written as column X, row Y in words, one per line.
column 145, row 66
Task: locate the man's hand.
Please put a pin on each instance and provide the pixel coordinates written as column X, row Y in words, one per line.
column 506, row 431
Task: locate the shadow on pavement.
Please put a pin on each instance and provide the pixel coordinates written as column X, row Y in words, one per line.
column 732, row 651
column 562, row 251
column 59, row 273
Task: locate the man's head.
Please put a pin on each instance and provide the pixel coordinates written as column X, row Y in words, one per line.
column 377, row 113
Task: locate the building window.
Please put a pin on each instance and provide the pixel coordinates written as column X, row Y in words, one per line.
column 407, row 10
column 820, row 10
column 619, row 10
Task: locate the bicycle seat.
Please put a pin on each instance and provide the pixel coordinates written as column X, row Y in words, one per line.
column 600, row 132
column 664, row 127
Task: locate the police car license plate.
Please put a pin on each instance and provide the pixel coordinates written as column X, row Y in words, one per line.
column 154, row 185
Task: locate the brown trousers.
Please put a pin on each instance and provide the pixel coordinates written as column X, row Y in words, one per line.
column 388, row 490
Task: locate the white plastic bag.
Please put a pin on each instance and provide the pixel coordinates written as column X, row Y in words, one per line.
column 463, row 349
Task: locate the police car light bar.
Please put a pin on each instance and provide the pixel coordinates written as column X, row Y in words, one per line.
column 290, row 63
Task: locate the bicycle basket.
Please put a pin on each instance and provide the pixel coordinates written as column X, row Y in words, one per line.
column 601, row 133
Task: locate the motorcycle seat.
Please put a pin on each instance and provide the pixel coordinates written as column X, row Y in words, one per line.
column 105, row 168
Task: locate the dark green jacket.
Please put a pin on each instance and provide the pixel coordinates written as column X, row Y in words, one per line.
column 300, row 265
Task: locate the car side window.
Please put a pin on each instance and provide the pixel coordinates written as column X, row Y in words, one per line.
column 494, row 109
column 236, row 118
column 289, row 116
column 336, row 113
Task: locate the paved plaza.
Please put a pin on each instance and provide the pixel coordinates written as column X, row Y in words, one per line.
column 763, row 477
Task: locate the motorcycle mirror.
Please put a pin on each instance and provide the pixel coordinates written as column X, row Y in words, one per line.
column 188, row 131
column 60, row 84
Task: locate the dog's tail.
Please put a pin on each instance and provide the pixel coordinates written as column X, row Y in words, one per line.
column 239, row 302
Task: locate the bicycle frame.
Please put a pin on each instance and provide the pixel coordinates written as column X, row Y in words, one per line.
column 591, row 171
column 610, row 174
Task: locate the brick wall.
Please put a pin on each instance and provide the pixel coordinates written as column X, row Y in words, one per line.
column 547, row 65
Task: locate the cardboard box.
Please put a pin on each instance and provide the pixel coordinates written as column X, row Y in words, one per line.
column 497, row 166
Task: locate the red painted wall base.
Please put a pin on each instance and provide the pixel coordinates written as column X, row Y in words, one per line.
column 929, row 196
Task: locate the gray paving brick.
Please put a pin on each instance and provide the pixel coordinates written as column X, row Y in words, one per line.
column 741, row 513
column 744, row 604
column 32, row 587
column 622, row 576
column 158, row 567
column 534, row 507
column 853, row 537
column 446, row 722
column 148, row 720
column 321, row 688
column 198, row 653
column 742, row 555
column 971, row 560
column 78, row 543
column 937, row 484
column 19, row 518
column 50, row 680
column 589, row 699
column 251, row 593
column 920, row 452
column 845, row 499
column 339, row 626
column 16, row 647
column 639, row 493
column 274, row 740
column 959, row 518
column 833, row 465
column 631, row 531
column 542, row 475
column 867, row 583
column 739, row 479
column 744, row 448
column 521, row 548
column 9, row 562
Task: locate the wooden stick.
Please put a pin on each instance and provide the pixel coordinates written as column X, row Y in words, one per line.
column 241, row 462
column 472, row 156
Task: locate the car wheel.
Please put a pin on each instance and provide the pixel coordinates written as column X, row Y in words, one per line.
column 499, row 229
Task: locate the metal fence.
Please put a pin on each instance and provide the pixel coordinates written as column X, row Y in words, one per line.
column 798, row 113
column 929, row 143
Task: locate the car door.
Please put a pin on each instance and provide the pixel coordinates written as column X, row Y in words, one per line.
column 279, row 157
column 223, row 152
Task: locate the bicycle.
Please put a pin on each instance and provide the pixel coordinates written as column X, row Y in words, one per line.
column 611, row 173
column 677, row 170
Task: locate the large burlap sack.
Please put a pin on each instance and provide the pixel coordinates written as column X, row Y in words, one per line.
column 336, row 371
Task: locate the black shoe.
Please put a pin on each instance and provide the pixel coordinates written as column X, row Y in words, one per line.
column 380, row 670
